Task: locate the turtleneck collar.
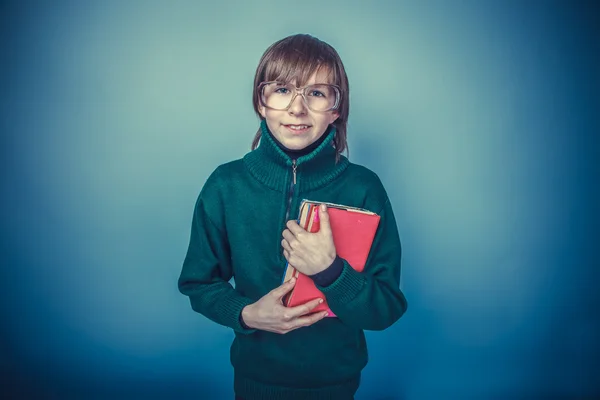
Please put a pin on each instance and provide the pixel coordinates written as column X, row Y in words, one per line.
column 295, row 154
column 272, row 166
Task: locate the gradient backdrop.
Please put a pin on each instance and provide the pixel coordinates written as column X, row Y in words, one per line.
column 481, row 118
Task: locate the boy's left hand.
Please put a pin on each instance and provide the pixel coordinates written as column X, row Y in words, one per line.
column 309, row 253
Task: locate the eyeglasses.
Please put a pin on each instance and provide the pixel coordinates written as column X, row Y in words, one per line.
column 279, row 96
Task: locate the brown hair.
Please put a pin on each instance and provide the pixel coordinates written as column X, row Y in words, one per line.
column 299, row 57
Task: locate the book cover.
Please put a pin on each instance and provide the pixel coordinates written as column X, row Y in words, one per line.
column 303, row 221
column 353, row 233
column 305, row 209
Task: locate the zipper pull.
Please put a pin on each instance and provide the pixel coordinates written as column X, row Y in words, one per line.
column 294, row 170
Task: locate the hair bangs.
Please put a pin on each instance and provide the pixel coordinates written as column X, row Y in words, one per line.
column 297, row 62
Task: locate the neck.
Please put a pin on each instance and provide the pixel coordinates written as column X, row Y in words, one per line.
column 297, row 153
column 273, row 165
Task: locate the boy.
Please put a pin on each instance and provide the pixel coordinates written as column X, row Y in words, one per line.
column 243, row 227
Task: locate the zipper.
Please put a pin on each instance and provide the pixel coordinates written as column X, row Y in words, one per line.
column 287, row 215
column 291, row 191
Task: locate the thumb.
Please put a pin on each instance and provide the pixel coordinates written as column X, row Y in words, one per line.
column 282, row 290
column 325, row 226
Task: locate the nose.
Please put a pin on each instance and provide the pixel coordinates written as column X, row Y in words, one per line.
column 297, row 107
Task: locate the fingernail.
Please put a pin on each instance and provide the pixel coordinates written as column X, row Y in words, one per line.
column 323, row 207
column 326, row 314
column 320, row 301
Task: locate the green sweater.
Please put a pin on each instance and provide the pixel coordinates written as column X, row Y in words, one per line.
column 236, row 232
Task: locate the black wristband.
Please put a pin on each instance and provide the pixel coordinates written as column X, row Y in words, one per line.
column 329, row 274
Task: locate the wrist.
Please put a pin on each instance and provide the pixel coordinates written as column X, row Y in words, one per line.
column 322, row 266
column 326, row 264
column 329, row 274
column 246, row 316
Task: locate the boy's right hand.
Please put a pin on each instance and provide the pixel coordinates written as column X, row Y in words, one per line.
column 269, row 313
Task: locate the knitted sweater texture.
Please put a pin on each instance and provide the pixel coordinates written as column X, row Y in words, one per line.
column 237, row 223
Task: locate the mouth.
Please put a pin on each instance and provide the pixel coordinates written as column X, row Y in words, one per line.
column 297, row 129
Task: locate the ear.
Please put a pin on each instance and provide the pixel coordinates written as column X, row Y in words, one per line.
column 262, row 111
column 334, row 115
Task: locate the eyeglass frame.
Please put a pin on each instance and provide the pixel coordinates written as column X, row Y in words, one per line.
column 300, row 91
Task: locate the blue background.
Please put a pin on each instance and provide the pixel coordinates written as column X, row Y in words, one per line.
column 481, row 119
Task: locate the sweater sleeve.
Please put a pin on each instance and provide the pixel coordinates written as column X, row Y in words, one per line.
column 371, row 299
column 206, row 273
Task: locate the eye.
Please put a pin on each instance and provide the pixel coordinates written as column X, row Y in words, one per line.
column 316, row 93
column 282, row 90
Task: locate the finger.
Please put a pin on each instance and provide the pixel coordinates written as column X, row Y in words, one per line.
column 325, row 226
column 283, row 289
column 309, row 319
column 303, row 309
column 295, row 260
column 289, row 236
column 294, row 228
column 286, row 245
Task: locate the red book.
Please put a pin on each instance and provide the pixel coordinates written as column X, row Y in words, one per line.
column 353, row 233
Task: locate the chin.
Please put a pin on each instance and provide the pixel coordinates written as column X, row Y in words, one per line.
column 294, row 146
column 298, row 143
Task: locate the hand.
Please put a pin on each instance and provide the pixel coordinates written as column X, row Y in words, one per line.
column 269, row 313
column 309, row 253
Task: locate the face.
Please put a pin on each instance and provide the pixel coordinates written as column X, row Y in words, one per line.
column 298, row 126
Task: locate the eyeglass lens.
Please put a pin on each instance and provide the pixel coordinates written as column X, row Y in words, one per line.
column 318, row 97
